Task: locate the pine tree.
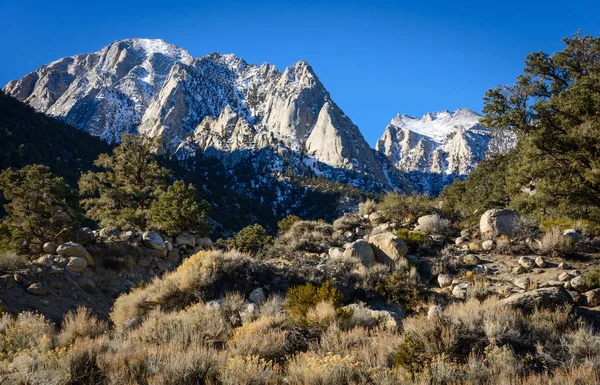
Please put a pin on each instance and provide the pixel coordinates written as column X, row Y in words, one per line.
column 39, row 204
column 179, row 209
column 132, row 180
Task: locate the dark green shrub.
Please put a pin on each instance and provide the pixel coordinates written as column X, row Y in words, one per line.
column 591, row 278
column 286, row 223
column 252, row 239
column 300, row 299
column 413, row 239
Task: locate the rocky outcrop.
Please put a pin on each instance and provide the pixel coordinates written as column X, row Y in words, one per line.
column 498, row 222
column 389, row 248
column 362, row 251
column 72, row 249
column 548, row 297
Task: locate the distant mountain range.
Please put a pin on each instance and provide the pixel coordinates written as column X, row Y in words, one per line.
column 220, row 106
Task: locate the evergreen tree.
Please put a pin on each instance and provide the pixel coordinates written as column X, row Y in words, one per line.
column 132, row 180
column 179, row 209
column 39, row 204
column 252, row 239
column 286, row 223
column 554, row 107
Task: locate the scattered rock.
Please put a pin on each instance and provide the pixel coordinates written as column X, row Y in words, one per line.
column 49, row 248
column 496, row 222
column 522, row 283
column 185, row 239
column 362, row 250
column 471, row 260
column 45, row 260
column 389, row 248
column 564, row 277
column 335, row 252
column 205, row 242
column 526, row 263
column 160, row 254
column 382, row 228
column 61, row 261
column 548, row 297
column 163, row 265
column 173, row 256
column 460, row 291
column 563, row 266
column 540, row 262
column 578, row 284
column 573, row 234
column 460, row 240
column 555, row 283
column 592, row 298
column 144, row 261
column 110, row 232
column 257, row 296
column 487, row 245
column 434, row 312
column 37, row 289
column 444, row 280
column 375, row 217
column 72, row 249
column 83, row 236
column 153, row 240
column 87, row 284
column 77, row 264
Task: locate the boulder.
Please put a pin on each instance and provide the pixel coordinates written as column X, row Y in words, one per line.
column 592, row 298
column 257, row 296
column 564, row 277
column 471, row 260
column 49, row 248
column 518, row 270
column 496, row 222
column 547, row 297
column 460, row 291
column 45, row 260
column 335, row 252
column 361, row 250
column 72, row 249
column 205, row 242
column 522, row 283
column 110, row 232
column 77, row 264
column 160, row 254
column 487, row 245
column 173, row 256
column 444, row 280
column 434, row 312
column 87, row 284
column 540, row 262
column 460, row 240
column 389, row 248
column 382, row 228
column 83, row 236
column 185, row 239
column 61, row 261
column 578, row 284
column 37, row 289
column 563, row 266
column 526, row 262
column 375, row 217
column 573, row 234
column 153, row 240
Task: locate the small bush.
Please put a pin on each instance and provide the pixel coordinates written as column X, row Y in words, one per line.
column 403, row 288
column 367, row 207
column 554, row 243
column 414, row 239
column 406, row 208
column 304, row 237
column 10, row 261
column 591, row 278
column 301, row 299
column 286, row 223
column 80, row 324
column 252, row 239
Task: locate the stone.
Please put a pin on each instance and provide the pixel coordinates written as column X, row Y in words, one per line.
column 496, row 222
column 160, row 254
column 45, row 260
column 555, row 283
column 205, row 242
column 361, row 250
column 518, row 270
column 522, row 283
column 335, row 252
column 163, row 265
column 83, row 236
column 540, row 262
column 547, row 298
column 437, row 240
column 169, row 246
column 578, row 284
column 487, row 245
column 375, row 217
column 49, row 248
column 86, row 284
column 61, row 261
column 360, row 232
column 564, row 277
column 592, row 298
column 389, row 248
column 77, row 264
column 127, row 261
column 573, row 234
column 434, row 312
column 575, row 273
column 526, row 263
column 185, row 239
column 563, row 266
column 110, row 232
column 144, row 261
column 37, row 289
column 249, row 311
column 460, row 291
column 460, row 240
column 444, row 280
column 432, row 224
column 466, row 233
column 471, row 260
column 173, row 256
column 257, row 296
column 153, row 240
column 382, row 228
column 72, row 249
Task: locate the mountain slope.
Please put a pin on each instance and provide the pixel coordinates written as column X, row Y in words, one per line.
column 215, row 104
column 440, row 146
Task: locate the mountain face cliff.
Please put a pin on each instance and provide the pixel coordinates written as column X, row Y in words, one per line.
column 216, row 104
column 440, row 146
column 281, row 123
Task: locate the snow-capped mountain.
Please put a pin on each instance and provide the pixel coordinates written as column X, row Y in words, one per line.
column 440, row 145
column 216, row 104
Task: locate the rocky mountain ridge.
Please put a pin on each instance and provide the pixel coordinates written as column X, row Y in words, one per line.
column 221, row 106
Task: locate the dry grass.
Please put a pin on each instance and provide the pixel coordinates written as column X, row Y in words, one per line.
column 305, row 237
column 11, row 261
column 80, row 324
column 554, row 243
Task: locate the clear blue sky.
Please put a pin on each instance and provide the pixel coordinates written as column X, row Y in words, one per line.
column 377, row 58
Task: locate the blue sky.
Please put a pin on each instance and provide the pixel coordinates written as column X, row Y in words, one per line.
column 377, row 58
